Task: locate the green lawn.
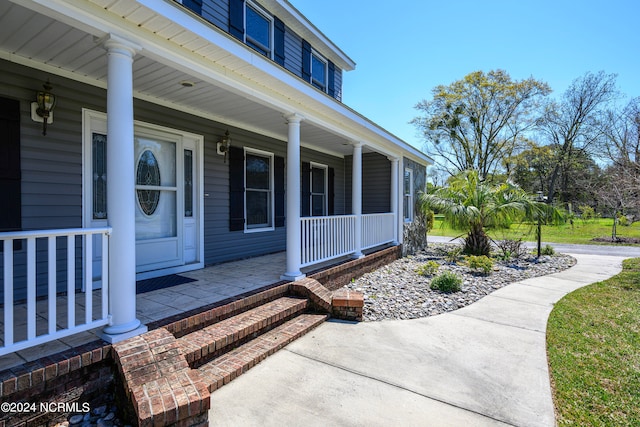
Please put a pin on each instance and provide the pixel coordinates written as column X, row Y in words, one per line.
column 593, row 346
column 580, row 232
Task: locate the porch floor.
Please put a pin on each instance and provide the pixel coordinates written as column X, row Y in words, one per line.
column 213, row 284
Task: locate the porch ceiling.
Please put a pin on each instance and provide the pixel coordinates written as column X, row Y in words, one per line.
column 37, row 36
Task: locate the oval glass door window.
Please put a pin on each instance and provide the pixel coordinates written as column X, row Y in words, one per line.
column 148, row 174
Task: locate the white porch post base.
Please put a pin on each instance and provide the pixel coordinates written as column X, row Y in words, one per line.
column 293, row 272
column 122, row 332
column 121, row 191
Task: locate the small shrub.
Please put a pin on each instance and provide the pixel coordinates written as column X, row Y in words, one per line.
column 452, row 256
column 447, row 282
column 587, row 213
column 430, row 268
column 623, row 221
column 480, row 263
column 547, row 250
column 511, row 249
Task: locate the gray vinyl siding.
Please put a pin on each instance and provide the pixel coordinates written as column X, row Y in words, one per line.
column 217, row 12
column 292, row 52
column 376, row 183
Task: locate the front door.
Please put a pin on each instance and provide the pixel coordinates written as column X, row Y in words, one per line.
column 167, row 205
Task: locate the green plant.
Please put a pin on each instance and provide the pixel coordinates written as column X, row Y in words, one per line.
column 547, row 250
column 480, row 263
column 447, row 282
column 623, row 221
column 453, row 254
column 587, row 213
column 472, row 204
column 428, row 269
column 511, row 248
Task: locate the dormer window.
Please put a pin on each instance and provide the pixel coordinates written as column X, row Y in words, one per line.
column 318, row 71
column 258, row 30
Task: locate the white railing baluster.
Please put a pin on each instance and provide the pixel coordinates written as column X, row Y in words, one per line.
column 88, row 278
column 105, row 275
column 8, row 292
column 31, row 288
column 52, row 294
column 30, row 284
column 71, row 282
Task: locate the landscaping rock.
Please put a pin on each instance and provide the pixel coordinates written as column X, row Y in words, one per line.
column 396, row 291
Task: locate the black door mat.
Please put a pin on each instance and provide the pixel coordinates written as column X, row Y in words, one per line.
column 148, row 285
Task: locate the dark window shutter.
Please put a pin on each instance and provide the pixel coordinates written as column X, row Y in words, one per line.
column 306, row 61
column 10, row 175
column 236, row 188
column 278, row 40
column 306, row 189
column 236, row 19
column 195, row 5
column 332, row 79
column 278, row 177
column 331, row 192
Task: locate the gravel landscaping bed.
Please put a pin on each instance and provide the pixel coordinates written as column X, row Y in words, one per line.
column 397, row 291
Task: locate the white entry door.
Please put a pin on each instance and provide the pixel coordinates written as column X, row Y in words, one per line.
column 158, row 196
column 168, row 196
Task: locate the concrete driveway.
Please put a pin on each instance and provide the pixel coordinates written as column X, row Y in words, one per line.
column 481, row 365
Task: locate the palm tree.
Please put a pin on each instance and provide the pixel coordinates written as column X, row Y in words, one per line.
column 470, row 204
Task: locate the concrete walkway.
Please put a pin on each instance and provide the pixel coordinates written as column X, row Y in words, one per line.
column 485, row 364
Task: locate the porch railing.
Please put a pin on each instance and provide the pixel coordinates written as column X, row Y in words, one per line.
column 327, row 237
column 377, row 229
column 42, row 318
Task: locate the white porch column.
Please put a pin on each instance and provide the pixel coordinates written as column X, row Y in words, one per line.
column 121, row 191
column 394, row 197
column 293, row 200
column 356, row 197
column 400, row 199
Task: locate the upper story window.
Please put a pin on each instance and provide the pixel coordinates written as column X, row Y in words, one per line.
column 318, row 72
column 258, row 30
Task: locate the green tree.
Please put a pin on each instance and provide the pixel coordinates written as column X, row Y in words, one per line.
column 532, row 167
column 475, row 122
column 471, row 204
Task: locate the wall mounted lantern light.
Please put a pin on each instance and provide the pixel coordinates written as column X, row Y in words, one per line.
column 42, row 109
column 223, row 145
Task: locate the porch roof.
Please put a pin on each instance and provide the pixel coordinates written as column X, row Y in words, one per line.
column 232, row 84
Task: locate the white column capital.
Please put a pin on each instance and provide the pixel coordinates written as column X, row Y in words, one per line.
column 116, row 44
column 393, row 159
column 357, row 144
column 293, row 118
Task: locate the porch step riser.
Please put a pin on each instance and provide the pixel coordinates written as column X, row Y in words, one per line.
column 219, row 338
column 229, row 366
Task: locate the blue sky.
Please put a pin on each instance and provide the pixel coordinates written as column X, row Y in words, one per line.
column 403, row 49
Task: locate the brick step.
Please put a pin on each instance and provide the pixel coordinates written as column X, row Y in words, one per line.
column 227, row 367
column 202, row 345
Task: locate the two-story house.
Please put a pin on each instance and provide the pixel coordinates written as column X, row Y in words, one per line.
column 170, row 135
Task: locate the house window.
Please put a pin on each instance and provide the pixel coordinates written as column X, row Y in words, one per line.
column 318, row 72
column 318, row 189
column 258, row 190
column 258, row 30
column 408, row 195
